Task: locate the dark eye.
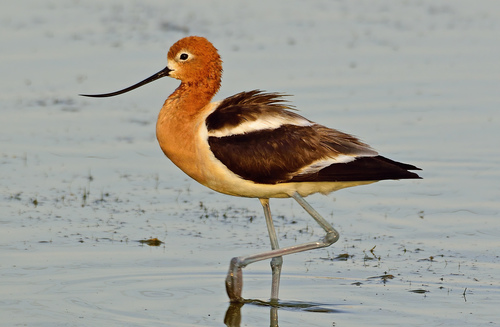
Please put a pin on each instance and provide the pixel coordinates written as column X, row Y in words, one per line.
column 183, row 56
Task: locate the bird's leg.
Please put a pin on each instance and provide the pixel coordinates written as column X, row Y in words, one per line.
column 276, row 262
column 234, row 280
column 332, row 235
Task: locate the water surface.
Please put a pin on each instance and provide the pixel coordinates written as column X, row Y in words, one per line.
column 82, row 180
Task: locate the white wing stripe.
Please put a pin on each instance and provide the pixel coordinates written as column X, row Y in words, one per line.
column 323, row 163
column 263, row 123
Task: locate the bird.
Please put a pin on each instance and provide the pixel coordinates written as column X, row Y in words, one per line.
column 254, row 144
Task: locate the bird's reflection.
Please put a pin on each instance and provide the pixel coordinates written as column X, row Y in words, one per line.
column 233, row 313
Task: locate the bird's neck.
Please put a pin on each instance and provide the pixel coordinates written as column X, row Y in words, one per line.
column 191, row 97
column 179, row 124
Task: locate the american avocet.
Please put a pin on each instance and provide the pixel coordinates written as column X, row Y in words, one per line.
column 252, row 145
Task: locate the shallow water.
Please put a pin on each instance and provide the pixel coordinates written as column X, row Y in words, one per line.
column 83, row 180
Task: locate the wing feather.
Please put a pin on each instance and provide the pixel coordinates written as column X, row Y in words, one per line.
column 256, row 136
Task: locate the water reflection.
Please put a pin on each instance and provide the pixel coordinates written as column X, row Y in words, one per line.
column 233, row 313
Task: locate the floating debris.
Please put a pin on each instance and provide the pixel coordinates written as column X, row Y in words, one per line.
column 342, row 257
column 384, row 277
column 151, row 242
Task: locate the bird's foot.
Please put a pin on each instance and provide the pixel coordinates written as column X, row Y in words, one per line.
column 234, row 281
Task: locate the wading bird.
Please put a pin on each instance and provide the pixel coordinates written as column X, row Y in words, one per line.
column 252, row 145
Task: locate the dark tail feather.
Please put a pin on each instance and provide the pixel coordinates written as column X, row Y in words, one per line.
column 362, row 169
column 399, row 164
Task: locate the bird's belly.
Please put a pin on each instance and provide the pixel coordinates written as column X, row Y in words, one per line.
column 187, row 147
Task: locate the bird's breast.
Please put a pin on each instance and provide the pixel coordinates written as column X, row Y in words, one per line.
column 182, row 137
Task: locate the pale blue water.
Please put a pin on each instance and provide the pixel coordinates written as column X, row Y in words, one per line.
column 83, row 179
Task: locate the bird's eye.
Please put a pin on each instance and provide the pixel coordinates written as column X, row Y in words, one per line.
column 183, row 56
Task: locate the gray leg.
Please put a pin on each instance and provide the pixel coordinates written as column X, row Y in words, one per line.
column 276, row 262
column 234, row 279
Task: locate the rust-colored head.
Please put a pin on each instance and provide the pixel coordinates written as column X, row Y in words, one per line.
column 193, row 60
